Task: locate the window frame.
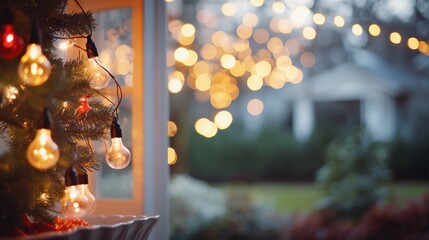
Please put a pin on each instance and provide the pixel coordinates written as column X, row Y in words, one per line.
column 150, row 171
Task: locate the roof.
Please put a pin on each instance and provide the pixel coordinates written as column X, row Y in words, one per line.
column 345, row 82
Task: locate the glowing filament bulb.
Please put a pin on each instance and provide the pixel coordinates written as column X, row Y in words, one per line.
column 11, row 44
column 64, row 44
column 43, row 153
column 99, row 78
column 117, row 156
column 78, row 201
column 34, row 68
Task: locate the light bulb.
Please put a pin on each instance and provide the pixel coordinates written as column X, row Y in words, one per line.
column 11, row 44
column 98, row 77
column 78, row 201
column 117, row 156
column 43, row 152
column 34, row 68
column 10, row 93
column 64, row 44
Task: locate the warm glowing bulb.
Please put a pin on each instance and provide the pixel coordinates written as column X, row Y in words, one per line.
column 43, row 153
column 98, row 77
column 118, row 156
column 78, row 201
column 11, row 44
column 64, row 44
column 10, row 93
column 34, row 68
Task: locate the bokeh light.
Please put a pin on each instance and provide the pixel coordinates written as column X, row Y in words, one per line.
column 191, row 59
column 229, row 9
column 244, row 31
column 223, row 119
column 263, row 68
column 208, row 51
column 395, row 38
column 187, row 30
column 374, row 30
column 278, row 7
column 284, row 26
column 413, row 43
column 181, row 54
column 339, row 21
column 255, row 107
column 357, row 30
column 227, row 61
column 307, row 59
column 283, row 62
column 309, row 33
column 171, row 129
column 203, row 82
column 261, row 35
column 257, row 3
column 319, row 19
column 205, row 127
column 171, row 156
column 250, row 19
column 255, row 82
column 175, row 85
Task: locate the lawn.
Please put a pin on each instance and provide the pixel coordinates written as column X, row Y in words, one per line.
column 303, row 197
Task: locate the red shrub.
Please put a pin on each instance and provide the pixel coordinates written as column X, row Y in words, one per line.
column 390, row 222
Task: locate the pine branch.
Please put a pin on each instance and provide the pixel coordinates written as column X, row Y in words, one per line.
column 74, row 24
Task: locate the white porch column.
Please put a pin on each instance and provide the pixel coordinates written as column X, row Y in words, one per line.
column 303, row 118
column 156, row 171
column 379, row 115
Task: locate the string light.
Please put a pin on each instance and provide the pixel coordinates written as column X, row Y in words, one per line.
column 11, row 43
column 98, row 75
column 34, row 68
column 64, row 44
column 43, row 152
column 117, row 156
column 78, row 201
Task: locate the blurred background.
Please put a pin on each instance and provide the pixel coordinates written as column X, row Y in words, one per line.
column 298, row 119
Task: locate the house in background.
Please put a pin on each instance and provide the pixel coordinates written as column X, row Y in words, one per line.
column 346, row 82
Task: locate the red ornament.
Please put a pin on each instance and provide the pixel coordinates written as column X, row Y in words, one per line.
column 84, row 105
column 11, row 44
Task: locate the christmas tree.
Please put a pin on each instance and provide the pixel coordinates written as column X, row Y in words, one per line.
column 48, row 95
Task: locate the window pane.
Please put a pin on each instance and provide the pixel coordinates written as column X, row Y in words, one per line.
column 117, row 183
column 113, row 40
